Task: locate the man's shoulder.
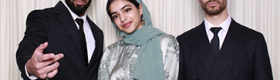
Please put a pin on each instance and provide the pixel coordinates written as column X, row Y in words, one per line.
column 42, row 12
column 189, row 32
column 255, row 35
column 50, row 11
column 250, row 30
column 245, row 29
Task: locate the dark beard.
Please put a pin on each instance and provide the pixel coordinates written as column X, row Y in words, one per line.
column 79, row 10
column 215, row 11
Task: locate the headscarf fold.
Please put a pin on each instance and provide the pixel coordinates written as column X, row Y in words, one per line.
column 149, row 64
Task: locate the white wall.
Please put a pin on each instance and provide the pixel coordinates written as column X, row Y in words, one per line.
column 172, row 16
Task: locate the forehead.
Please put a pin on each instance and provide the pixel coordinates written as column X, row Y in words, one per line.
column 119, row 4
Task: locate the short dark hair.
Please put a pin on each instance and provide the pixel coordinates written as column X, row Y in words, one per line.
column 111, row 1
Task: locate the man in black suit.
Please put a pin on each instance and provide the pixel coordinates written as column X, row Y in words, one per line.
column 221, row 49
column 70, row 44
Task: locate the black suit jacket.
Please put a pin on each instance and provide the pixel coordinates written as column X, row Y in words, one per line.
column 57, row 27
column 243, row 55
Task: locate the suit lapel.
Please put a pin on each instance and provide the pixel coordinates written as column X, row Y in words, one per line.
column 235, row 40
column 65, row 17
column 201, row 48
column 98, row 43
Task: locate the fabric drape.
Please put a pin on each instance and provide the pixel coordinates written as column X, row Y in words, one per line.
column 149, row 65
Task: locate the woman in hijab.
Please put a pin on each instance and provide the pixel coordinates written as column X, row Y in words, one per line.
column 144, row 53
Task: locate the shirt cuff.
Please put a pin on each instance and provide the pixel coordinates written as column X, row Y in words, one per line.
column 30, row 76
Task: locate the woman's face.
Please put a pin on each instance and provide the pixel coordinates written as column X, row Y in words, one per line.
column 126, row 16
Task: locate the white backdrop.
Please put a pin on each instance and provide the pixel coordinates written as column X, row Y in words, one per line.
column 171, row 16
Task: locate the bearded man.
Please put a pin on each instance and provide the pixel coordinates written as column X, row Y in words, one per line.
column 60, row 43
column 222, row 49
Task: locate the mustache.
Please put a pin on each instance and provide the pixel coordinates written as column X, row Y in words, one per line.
column 213, row 1
column 81, row 0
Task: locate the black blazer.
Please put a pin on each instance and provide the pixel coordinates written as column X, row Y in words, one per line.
column 57, row 27
column 243, row 55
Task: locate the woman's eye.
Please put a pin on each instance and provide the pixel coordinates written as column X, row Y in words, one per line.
column 115, row 16
column 127, row 10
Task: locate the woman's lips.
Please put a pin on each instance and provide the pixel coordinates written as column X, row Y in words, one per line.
column 126, row 25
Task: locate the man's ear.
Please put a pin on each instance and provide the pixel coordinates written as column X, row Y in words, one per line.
column 140, row 8
column 199, row 1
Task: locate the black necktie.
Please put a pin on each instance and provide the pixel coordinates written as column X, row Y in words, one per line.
column 82, row 37
column 215, row 41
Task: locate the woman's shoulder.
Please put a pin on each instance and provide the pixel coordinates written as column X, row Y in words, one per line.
column 112, row 48
column 167, row 37
column 116, row 44
column 168, row 40
column 120, row 45
column 118, row 48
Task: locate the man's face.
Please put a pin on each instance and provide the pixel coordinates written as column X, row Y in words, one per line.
column 78, row 6
column 213, row 7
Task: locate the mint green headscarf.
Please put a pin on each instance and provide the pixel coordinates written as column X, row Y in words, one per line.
column 149, row 65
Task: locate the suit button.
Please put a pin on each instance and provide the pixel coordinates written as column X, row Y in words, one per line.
column 234, row 79
column 197, row 79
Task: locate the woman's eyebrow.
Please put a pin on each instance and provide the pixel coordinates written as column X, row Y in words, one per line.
column 121, row 8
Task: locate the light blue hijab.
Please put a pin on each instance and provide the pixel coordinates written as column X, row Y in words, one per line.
column 149, row 65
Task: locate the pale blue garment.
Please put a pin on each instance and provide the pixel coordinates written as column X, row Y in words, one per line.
column 119, row 59
column 149, row 63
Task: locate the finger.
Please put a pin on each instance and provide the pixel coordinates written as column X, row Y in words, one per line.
column 46, row 57
column 46, row 75
column 50, row 61
column 43, row 60
column 41, row 48
column 47, row 69
column 36, row 63
column 52, row 57
column 53, row 73
column 58, row 56
column 42, row 75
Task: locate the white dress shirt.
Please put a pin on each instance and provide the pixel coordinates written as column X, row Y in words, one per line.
column 90, row 41
column 221, row 34
column 87, row 30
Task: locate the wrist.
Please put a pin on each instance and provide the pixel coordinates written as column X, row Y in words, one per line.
column 28, row 68
column 30, row 76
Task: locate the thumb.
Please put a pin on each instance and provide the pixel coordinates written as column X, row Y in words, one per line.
column 41, row 47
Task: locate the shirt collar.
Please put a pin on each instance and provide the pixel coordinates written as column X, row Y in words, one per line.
column 225, row 25
column 74, row 16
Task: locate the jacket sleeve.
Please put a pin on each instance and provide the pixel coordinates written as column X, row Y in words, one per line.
column 35, row 35
column 262, row 67
column 181, row 60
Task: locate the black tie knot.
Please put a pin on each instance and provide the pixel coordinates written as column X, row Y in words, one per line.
column 215, row 30
column 80, row 22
